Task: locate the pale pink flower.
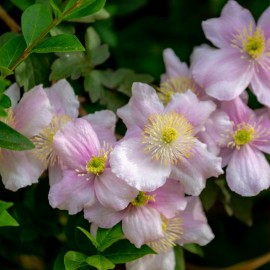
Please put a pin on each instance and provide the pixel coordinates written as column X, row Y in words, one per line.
column 248, row 171
column 34, row 112
column 161, row 141
column 242, row 57
column 86, row 174
column 146, row 216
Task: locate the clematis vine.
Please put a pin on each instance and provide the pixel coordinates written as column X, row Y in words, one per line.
column 242, row 57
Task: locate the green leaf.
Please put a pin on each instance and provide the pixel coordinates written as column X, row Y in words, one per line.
column 210, row 194
column 33, row 71
column 123, row 251
column 4, row 205
column 62, row 28
column 60, row 43
column 59, row 262
column 36, row 19
column 194, row 248
column 100, row 15
column 92, row 40
column 100, row 262
column 56, row 9
column 99, row 55
column 107, row 237
column 13, row 140
column 22, row 4
column 83, row 8
column 7, row 220
column 11, row 48
column 179, row 258
column 5, row 102
column 90, row 237
column 73, row 260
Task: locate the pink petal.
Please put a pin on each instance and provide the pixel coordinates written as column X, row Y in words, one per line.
column 220, row 31
column 222, row 73
column 33, row 112
column 76, row 143
column 113, row 192
column 248, row 172
column 19, row 169
column 196, row 111
column 264, row 22
column 142, row 225
column 226, row 155
column 103, row 217
column 195, row 226
column 169, row 199
column 125, row 113
column 72, row 193
column 55, row 174
column 63, row 99
column 129, row 162
column 13, row 92
column 103, row 122
column 193, row 172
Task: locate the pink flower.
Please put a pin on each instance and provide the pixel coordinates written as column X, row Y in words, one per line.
column 242, row 58
column 86, row 174
column 146, row 216
column 248, row 171
column 161, row 141
column 34, row 112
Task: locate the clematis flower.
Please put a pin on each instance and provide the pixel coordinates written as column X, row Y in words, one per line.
column 33, row 113
column 242, row 57
column 161, row 141
column 147, row 216
column 86, row 174
column 248, row 171
column 194, row 229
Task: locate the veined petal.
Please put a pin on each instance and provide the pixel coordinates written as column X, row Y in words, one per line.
column 220, row 31
column 76, row 143
column 103, row 122
column 63, row 99
column 113, row 192
column 195, row 226
column 164, row 261
column 193, row 172
column 248, row 171
column 125, row 113
column 264, row 22
column 129, row 162
column 142, row 225
column 19, row 169
column 222, row 73
column 196, row 111
column 33, row 112
column 72, row 193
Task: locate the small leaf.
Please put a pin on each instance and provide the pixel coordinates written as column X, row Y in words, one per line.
column 60, row 43
column 7, row 220
column 36, row 19
column 100, row 262
column 84, row 8
column 5, row 102
column 89, row 236
column 99, row 55
column 74, row 260
column 194, row 248
column 123, row 251
column 179, row 258
column 13, row 140
column 92, row 39
column 56, row 9
column 107, row 237
column 4, row 205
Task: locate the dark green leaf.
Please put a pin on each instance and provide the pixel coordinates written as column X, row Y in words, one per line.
column 123, row 251
column 11, row 48
column 5, row 71
column 13, row 140
column 5, row 102
column 84, row 8
column 92, row 40
column 74, row 260
column 194, row 248
column 179, row 258
column 56, row 9
column 210, row 194
column 59, row 262
column 99, row 55
column 60, row 43
column 100, row 262
column 7, row 220
column 36, row 19
column 107, row 237
column 22, row 4
column 4, row 205
column 89, row 236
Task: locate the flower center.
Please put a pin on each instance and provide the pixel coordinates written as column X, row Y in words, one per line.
column 168, row 137
column 96, row 165
column 173, row 230
column 254, row 45
column 175, row 85
column 44, row 140
column 243, row 135
column 142, row 199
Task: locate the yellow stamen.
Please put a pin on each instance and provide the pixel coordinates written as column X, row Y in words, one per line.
column 142, row 199
column 96, row 165
column 254, row 45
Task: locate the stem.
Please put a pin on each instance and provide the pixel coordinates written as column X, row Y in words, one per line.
column 14, row 27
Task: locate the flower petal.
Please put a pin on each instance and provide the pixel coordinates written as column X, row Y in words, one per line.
column 129, row 162
column 113, row 192
column 72, row 193
column 220, row 31
column 248, row 172
column 142, row 225
column 264, row 22
column 13, row 92
column 222, row 73
column 193, row 172
column 76, row 143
